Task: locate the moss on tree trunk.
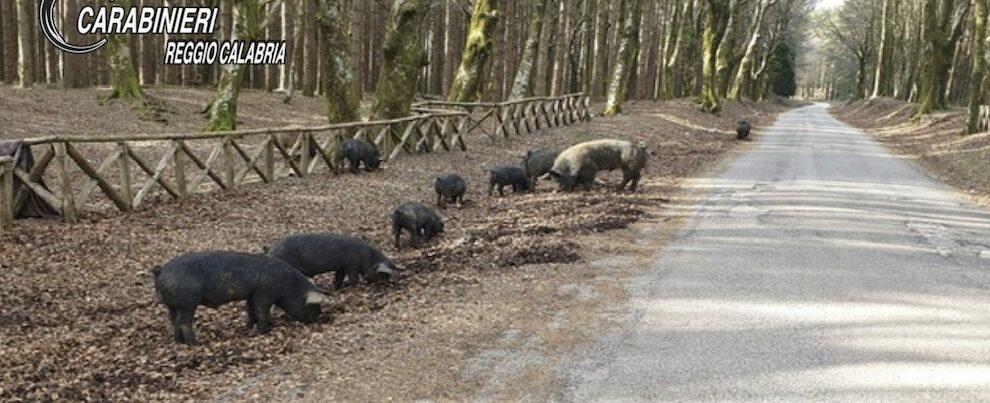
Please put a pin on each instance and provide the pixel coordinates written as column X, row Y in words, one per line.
column 978, row 80
column 725, row 57
column 402, row 58
column 525, row 81
column 469, row 83
column 941, row 35
column 744, row 76
column 125, row 84
column 716, row 19
column 626, row 59
column 343, row 100
column 222, row 111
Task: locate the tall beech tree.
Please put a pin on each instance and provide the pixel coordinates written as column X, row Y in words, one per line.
column 525, row 81
column 943, row 26
column 469, row 83
column 25, row 64
column 402, row 58
column 742, row 85
column 342, row 97
column 626, row 59
column 977, row 83
column 716, row 22
column 222, row 111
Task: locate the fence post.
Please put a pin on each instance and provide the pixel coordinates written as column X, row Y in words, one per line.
column 270, row 158
column 305, row 156
column 125, row 175
column 69, row 212
column 228, row 162
column 179, row 161
column 6, row 192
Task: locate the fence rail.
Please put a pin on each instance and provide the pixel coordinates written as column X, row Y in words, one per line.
column 134, row 170
column 521, row 116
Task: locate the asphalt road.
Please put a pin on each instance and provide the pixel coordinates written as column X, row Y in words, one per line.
column 816, row 267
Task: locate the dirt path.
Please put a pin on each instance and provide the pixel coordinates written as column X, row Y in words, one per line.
column 817, row 267
column 78, row 321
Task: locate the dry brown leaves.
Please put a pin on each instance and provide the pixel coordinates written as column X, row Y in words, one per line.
column 77, row 318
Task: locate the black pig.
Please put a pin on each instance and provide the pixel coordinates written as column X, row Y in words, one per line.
column 314, row 254
column 416, row 219
column 742, row 130
column 450, row 189
column 216, row 278
column 537, row 163
column 357, row 151
column 508, row 175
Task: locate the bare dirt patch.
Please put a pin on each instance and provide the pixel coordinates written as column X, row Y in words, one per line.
column 77, row 318
column 936, row 141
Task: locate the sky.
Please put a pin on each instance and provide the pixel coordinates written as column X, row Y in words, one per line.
column 829, row 3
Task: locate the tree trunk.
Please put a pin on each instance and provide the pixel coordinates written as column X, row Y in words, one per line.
column 725, row 57
column 223, row 109
column 716, row 17
column 940, row 37
column 309, row 50
column 601, row 45
column 124, row 82
column 285, row 70
column 744, row 75
column 340, row 88
column 626, row 59
column 403, row 56
column 882, row 85
column 25, row 64
column 977, row 81
column 469, row 83
column 522, row 86
column 671, row 38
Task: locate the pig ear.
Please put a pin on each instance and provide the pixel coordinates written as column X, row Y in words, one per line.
column 316, row 297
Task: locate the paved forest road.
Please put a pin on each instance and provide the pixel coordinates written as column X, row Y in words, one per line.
column 817, row 267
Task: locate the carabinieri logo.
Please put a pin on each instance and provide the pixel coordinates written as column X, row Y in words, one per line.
column 118, row 20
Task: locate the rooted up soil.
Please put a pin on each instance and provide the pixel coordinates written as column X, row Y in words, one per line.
column 78, row 321
column 936, row 141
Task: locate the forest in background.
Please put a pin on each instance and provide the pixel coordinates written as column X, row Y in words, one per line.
column 389, row 53
column 930, row 52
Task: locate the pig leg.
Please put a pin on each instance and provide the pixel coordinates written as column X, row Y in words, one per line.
column 184, row 317
column 440, row 200
column 176, row 330
column 500, row 187
column 263, row 314
column 398, row 233
column 338, row 279
column 353, row 278
column 252, row 319
column 353, row 165
column 635, row 182
column 625, row 180
column 415, row 237
column 491, row 187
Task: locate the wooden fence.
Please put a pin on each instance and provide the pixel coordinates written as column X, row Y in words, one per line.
column 133, row 170
column 503, row 119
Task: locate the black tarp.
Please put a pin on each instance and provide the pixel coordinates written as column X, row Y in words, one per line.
column 27, row 203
